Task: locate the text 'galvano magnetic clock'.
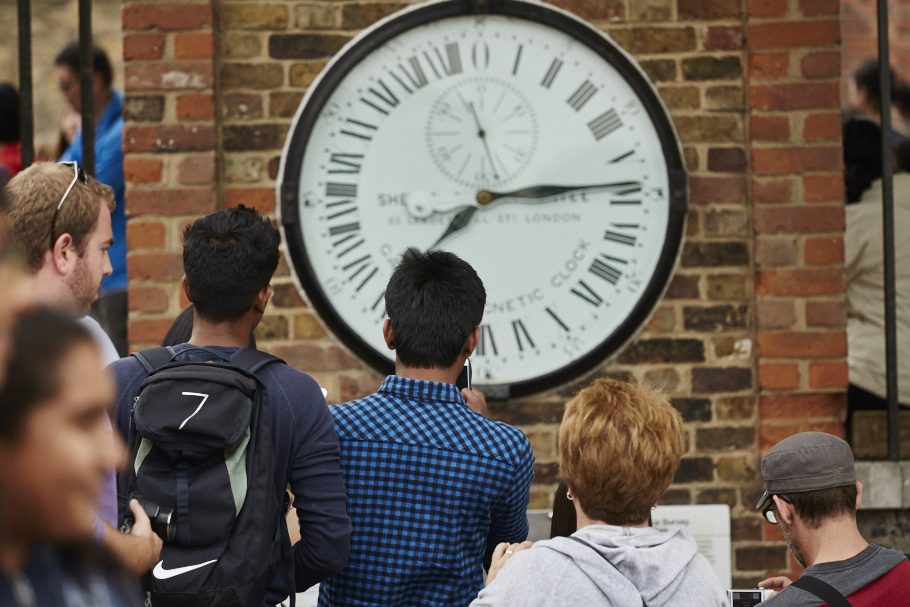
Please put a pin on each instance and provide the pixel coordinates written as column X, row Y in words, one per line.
column 512, row 134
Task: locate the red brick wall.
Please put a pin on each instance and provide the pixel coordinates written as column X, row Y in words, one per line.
column 798, row 220
column 749, row 340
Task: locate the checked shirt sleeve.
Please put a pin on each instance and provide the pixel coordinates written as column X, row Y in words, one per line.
column 510, row 518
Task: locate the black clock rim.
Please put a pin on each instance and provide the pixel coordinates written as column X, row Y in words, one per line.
column 374, row 37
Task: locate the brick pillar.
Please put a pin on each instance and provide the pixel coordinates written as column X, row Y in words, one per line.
column 798, row 221
column 169, row 144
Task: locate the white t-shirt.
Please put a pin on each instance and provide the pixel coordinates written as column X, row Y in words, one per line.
column 104, row 343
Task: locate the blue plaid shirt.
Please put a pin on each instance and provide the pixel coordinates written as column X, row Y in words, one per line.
column 432, row 488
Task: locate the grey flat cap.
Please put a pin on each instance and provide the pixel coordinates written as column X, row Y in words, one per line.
column 808, row 461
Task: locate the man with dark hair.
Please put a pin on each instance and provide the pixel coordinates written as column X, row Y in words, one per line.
column 433, row 485
column 111, row 309
column 811, row 491
column 228, row 259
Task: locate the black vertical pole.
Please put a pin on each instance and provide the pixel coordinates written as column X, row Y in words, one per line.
column 86, row 77
column 26, row 120
column 884, row 68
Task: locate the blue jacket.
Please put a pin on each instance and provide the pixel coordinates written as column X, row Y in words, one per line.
column 109, row 171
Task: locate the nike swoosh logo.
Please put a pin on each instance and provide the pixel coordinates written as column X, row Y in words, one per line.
column 164, row 574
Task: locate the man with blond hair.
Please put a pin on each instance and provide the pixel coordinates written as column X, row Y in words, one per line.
column 61, row 222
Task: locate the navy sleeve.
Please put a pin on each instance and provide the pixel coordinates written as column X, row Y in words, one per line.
column 318, row 487
column 128, row 375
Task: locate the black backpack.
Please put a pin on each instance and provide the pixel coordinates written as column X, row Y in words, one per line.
column 200, row 437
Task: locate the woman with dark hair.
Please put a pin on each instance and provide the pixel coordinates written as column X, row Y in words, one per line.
column 55, row 450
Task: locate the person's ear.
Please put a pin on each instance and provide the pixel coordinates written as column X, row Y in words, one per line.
column 470, row 344
column 185, row 288
column 859, row 493
column 63, row 254
column 262, row 299
column 388, row 334
column 785, row 511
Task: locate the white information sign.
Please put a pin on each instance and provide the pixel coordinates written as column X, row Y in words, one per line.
column 709, row 525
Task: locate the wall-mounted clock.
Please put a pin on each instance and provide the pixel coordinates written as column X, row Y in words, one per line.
column 513, row 134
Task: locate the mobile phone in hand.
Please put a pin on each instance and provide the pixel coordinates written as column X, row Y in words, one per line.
column 464, row 378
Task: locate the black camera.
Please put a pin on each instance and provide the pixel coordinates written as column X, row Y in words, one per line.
column 161, row 519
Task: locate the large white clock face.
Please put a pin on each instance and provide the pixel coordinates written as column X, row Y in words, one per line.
column 509, row 143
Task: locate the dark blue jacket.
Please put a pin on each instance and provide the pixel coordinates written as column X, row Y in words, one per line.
column 306, row 456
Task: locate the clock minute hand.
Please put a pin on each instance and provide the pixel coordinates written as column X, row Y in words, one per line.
column 548, row 191
column 459, row 222
column 483, row 139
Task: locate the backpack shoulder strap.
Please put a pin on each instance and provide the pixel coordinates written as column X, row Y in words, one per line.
column 253, row 360
column 601, row 555
column 823, row 590
column 155, row 358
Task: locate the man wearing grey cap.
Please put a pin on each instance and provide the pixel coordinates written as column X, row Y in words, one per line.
column 811, row 491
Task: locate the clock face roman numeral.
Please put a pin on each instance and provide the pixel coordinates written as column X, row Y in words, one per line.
column 344, row 228
column 622, row 157
column 341, row 190
column 480, row 55
column 558, row 320
column 588, row 294
column 614, row 235
column 345, row 163
column 605, row 124
column 522, row 337
column 552, row 71
column 517, row 59
column 378, row 301
column 487, row 344
column 604, row 267
column 358, row 129
column 346, row 243
column 582, row 94
column 414, row 74
column 381, row 98
column 445, row 63
column 363, row 268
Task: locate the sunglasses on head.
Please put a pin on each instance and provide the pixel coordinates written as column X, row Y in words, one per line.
column 78, row 175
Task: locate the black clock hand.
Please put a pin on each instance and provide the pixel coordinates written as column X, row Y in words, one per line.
column 547, row 191
column 459, row 222
column 483, row 138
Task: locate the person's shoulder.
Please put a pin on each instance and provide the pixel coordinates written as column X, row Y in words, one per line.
column 291, row 381
column 359, row 409
column 512, row 440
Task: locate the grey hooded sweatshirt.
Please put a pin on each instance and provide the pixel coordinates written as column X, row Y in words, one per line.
column 659, row 567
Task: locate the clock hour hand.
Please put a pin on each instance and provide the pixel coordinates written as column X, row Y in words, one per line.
column 459, row 222
column 548, row 191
